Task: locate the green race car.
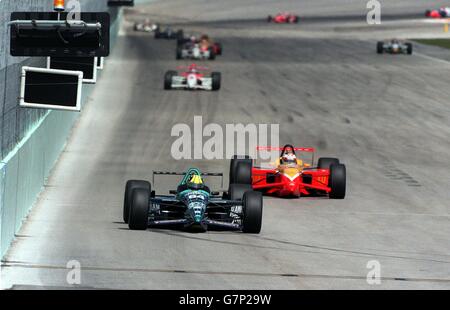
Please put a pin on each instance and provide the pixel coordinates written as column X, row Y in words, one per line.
column 193, row 205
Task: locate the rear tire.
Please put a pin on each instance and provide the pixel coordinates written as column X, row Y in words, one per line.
column 269, row 18
column 237, row 191
column 129, row 187
column 216, row 78
column 326, row 162
column 180, row 35
column 212, row 54
column 179, row 53
column 157, row 34
column 252, row 208
column 380, row 47
column 409, row 48
column 241, row 171
column 337, row 181
column 138, row 219
column 168, row 79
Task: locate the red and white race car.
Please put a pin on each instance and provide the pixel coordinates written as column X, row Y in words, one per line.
column 443, row 12
column 291, row 176
column 283, row 18
column 193, row 77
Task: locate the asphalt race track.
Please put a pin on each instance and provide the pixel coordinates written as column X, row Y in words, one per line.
column 386, row 117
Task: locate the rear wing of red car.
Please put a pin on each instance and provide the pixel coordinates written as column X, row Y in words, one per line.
column 281, row 148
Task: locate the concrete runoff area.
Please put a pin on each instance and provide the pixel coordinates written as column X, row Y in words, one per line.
column 386, row 117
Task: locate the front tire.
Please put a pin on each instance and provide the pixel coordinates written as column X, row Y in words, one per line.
column 337, row 181
column 168, row 79
column 269, row 18
column 380, row 47
column 138, row 219
column 326, row 162
column 129, row 188
column 216, row 78
column 252, row 208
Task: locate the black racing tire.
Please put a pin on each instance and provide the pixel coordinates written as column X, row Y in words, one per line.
column 179, row 52
column 409, row 48
column 168, row 79
column 233, row 164
column 241, row 171
column 157, row 34
column 443, row 14
column 139, row 207
column 212, row 54
column 237, row 191
column 269, row 18
column 252, row 209
column 129, row 187
column 337, row 181
column 380, row 47
column 180, row 34
column 216, row 78
column 427, row 13
column 326, row 162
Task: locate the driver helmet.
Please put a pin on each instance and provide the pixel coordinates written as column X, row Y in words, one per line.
column 195, row 182
column 289, row 156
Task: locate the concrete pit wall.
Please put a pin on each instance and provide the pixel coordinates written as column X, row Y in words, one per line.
column 31, row 139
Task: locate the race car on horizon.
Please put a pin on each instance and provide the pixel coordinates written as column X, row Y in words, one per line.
column 394, row 47
column 168, row 33
column 192, row 78
column 439, row 13
column 191, row 206
column 195, row 50
column 145, row 26
column 290, row 176
column 203, row 42
column 283, row 18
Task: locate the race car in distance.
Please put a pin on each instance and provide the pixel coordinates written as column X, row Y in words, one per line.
column 394, row 47
column 440, row 13
column 283, row 18
column 204, row 40
column 145, row 26
column 192, row 78
column 292, row 177
column 198, row 48
column 168, row 33
column 191, row 206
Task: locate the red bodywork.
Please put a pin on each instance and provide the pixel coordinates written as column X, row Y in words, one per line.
column 192, row 69
column 289, row 181
column 441, row 13
column 283, row 18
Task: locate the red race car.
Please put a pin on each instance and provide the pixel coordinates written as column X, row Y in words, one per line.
column 443, row 12
column 293, row 177
column 283, row 18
